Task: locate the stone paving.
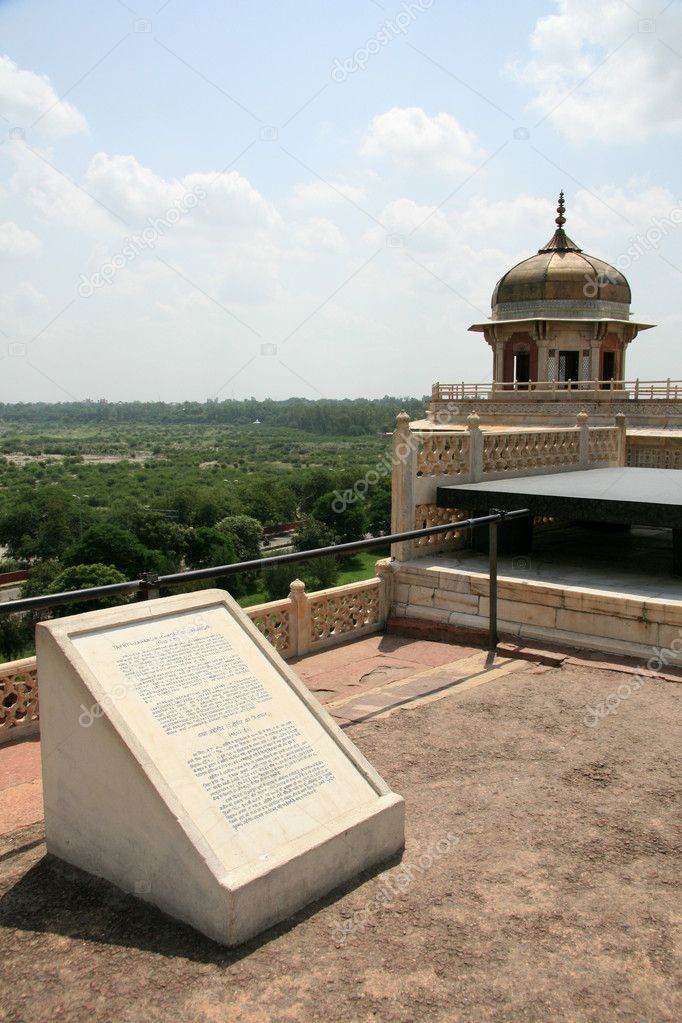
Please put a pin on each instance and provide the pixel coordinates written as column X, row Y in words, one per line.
column 357, row 682
column 539, row 882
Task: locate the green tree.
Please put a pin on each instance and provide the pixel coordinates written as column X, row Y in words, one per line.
column 16, row 637
column 18, row 528
column 82, row 577
column 379, row 508
column 207, row 546
column 277, row 579
column 313, row 485
column 42, row 526
column 317, row 574
column 10, row 565
column 43, row 574
column 349, row 523
column 159, row 533
column 107, row 544
column 245, row 532
column 320, row 573
column 270, row 501
column 197, row 507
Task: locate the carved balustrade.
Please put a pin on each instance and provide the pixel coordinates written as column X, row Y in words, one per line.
column 18, row 698
column 300, row 623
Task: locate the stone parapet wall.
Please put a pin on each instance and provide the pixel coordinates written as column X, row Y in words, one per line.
column 647, row 451
column 518, row 411
column 18, row 698
column 425, row 459
column 302, row 623
column 529, row 610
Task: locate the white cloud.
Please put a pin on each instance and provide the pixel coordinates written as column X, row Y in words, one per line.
column 413, row 139
column 422, row 227
column 136, row 192
column 321, row 193
column 117, row 195
column 607, row 71
column 38, row 181
column 133, row 189
column 19, row 303
column 16, row 243
column 26, row 96
column 610, row 212
column 319, row 235
column 484, row 219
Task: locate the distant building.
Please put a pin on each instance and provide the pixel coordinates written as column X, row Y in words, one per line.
column 560, row 316
column 559, row 330
column 559, row 404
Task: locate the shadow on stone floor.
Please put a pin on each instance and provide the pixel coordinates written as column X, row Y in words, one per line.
column 53, row 897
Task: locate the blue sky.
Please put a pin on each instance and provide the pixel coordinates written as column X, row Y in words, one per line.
column 359, row 175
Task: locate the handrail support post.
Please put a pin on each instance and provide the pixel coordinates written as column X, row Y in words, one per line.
column 492, row 582
column 150, row 585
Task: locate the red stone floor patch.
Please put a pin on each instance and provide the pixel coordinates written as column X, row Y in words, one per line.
column 431, row 684
column 21, row 787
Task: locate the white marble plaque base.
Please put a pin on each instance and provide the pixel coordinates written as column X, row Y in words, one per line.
column 184, row 761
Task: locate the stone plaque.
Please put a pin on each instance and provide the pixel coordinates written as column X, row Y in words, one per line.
column 185, row 761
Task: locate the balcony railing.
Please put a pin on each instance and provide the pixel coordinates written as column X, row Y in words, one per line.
column 301, row 623
column 637, row 390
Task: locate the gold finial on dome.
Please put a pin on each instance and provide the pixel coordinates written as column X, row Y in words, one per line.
column 560, row 242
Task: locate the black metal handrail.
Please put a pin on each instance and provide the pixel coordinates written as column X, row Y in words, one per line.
column 150, row 584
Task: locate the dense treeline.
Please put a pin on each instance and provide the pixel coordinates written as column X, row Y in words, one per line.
column 343, row 418
column 87, row 504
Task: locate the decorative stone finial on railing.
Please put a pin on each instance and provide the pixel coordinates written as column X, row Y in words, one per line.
column 384, row 571
column 296, row 587
column 584, row 445
column 473, row 421
column 402, row 420
column 621, row 426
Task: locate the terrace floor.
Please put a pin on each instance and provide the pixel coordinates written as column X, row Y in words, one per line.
column 383, row 670
column 637, row 562
column 539, row 880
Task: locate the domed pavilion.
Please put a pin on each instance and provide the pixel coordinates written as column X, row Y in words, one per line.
column 560, row 321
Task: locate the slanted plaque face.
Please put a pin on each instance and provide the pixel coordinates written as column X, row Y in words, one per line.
column 184, row 761
column 247, row 760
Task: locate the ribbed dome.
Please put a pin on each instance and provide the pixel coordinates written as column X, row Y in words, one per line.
column 561, row 272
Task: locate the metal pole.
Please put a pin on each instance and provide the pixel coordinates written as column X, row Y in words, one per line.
column 492, row 575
